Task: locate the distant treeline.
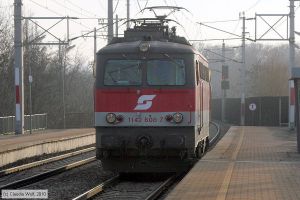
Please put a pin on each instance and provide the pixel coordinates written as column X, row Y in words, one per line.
column 47, row 72
column 267, row 71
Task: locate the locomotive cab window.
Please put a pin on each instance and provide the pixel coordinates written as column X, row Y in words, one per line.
column 204, row 73
column 166, row 72
column 123, row 72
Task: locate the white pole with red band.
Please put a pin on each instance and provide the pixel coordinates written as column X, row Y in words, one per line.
column 18, row 65
column 291, row 65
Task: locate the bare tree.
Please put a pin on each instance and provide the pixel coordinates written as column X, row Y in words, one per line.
column 47, row 75
column 6, row 67
column 266, row 71
column 269, row 74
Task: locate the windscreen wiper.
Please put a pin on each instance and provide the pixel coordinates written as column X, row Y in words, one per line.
column 172, row 59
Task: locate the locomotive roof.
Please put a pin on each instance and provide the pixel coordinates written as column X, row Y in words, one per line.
column 155, row 47
column 155, row 32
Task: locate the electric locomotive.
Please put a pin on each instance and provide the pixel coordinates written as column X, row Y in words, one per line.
column 152, row 100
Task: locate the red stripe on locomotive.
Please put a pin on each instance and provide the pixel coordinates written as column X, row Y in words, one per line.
column 126, row 100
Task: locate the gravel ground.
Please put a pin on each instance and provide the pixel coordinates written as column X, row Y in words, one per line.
column 129, row 191
column 136, row 186
column 72, row 183
column 43, row 168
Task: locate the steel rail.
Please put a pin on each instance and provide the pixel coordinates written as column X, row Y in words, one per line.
column 218, row 133
column 42, row 162
column 98, row 189
column 42, row 176
column 158, row 191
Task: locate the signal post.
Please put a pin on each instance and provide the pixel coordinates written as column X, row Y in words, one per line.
column 224, row 83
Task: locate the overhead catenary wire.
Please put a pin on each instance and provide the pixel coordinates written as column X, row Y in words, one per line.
column 92, row 31
column 141, row 9
column 200, row 23
column 213, row 39
column 68, row 8
column 253, row 6
column 221, row 21
column 101, row 5
column 45, row 7
column 222, row 56
column 184, row 15
column 116, row 6
column 86, row 11
column 59, row 14
column 279, row 24
column 184, row 30
column 8, row 6
column 146, row 4
column 237, row 25
column 139, row 4
column 64, row 6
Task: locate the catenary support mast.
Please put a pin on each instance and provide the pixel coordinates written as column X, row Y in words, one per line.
column 18, row 65
column 110, row 17
column 243, row 70
column 291, row 65
column 128, row 13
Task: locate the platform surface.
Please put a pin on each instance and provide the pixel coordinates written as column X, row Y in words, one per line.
column 255, row 163
column 8, row 142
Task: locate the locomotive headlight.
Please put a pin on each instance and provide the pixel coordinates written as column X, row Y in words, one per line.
column 169, row 118
column 120, row 118
column 111, row 118
column 144, row 47
column 177, row 117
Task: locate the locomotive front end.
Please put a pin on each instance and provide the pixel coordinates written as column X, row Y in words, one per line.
column 145, row 107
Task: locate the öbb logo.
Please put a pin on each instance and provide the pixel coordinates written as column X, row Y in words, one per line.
column 144, row 102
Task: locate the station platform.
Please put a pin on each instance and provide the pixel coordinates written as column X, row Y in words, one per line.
column 17, row 147
column 253, row 163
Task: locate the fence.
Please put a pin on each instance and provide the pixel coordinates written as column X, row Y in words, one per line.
column 72, row 120
column 269, row 111
column 39, row 122
column 79, row 120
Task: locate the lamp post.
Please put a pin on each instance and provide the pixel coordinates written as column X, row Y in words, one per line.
column 30, row 79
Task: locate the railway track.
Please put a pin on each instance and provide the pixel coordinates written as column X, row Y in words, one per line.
column 116, row 188
column 111, row 188
column 33, row 179
column 216, row 135
column 98, row 189
column 30, row 173
column 16, row 169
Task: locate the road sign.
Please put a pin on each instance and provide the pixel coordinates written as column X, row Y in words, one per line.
column 252, row 106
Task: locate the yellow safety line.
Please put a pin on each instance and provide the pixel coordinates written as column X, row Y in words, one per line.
column 226, row 181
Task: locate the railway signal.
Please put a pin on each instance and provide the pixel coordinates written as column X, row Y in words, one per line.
column 225, row 84
column 225, row 72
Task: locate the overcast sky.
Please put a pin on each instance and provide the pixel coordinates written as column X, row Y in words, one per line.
column 199, row 11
